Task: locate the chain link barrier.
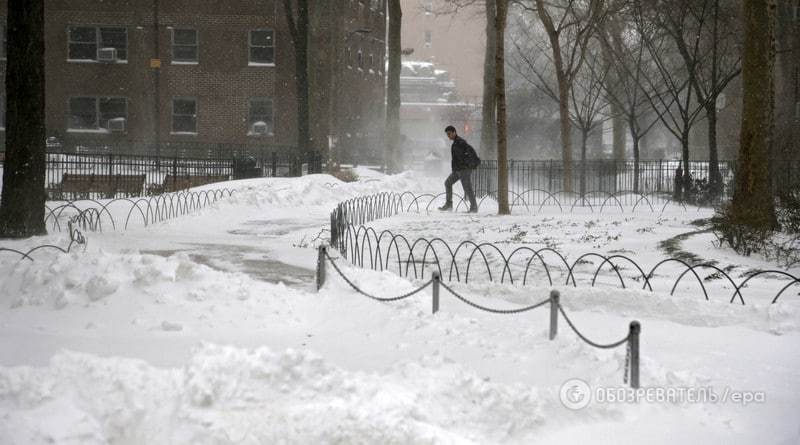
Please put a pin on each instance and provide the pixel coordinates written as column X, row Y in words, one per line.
column 360, row 291
column 589, row 342
column 494, row 311
column 631, row 340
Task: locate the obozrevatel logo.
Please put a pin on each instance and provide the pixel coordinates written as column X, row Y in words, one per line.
column 575, row 394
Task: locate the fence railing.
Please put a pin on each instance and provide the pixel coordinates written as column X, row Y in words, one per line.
column 385, row 250
column 71, row 176
column 615, row 176
column 631, row 370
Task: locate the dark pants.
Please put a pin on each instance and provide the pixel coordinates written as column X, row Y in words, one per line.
column 466, row 182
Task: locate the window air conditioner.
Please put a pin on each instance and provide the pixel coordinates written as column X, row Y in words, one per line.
column 108, row 55
column 260, row 128
column 117, row 125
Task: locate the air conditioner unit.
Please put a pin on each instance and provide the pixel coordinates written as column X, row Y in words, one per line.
column 108, row 55
column 260, row 128
column 117, row 125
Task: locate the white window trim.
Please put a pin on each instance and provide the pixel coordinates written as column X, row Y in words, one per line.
column 97, row 42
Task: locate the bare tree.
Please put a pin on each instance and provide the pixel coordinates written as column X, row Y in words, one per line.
column 569, row 25
column 673, row 100
column 705, row 36
column 297, row 18
column 393, row 84
column 588, row 107
column 752, row 204
column 627, row 89
column 23, row 196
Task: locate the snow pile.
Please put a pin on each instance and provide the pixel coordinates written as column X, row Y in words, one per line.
column 231, row 395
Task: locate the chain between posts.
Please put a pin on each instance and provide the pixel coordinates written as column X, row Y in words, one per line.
column 632, row 339
column 358, row 289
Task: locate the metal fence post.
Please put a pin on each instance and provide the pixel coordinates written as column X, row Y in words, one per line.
column 321, row 266
column 436, row 280
column 634, row 331
column 554, row 302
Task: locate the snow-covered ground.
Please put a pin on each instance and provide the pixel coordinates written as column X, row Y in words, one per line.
column 207, row 328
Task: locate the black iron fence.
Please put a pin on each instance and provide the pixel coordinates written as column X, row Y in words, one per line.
column 94, row 175
column 617, row 176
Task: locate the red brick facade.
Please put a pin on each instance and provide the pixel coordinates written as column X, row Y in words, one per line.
column 222, row 82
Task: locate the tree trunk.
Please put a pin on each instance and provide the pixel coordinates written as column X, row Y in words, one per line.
column 489, row 108
column 714, row 177
column 500, row 86
column 393, row 86
column 752, row 199
column 584, row 136
column 298, row 29
column 618, row 130
column 563, row 93
column 566, row 131
column 687, row 177
column 23, row 196
column 636, row 165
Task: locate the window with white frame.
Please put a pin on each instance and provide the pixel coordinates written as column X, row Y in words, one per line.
column 184, row 115
column 260, row 118
column 262, row 47
column 96, row 113
column 184, row 45
column 94, row 43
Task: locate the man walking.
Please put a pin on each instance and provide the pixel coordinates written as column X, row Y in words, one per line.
column 464, row 160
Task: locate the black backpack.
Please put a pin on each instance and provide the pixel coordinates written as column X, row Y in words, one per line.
column 473, row 161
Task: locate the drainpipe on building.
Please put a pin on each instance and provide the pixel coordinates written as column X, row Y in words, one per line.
column 155, row 65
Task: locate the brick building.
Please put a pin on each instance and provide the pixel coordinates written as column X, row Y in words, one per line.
column 162, row 74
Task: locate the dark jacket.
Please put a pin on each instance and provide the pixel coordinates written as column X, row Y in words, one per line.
column 463, row 155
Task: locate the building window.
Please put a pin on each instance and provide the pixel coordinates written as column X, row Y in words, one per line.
column 184, row 45
column 371, row 63
column 98, row 44
column 427, row 5
column 360, row 57
column 2, row 112
column 796, row 15
column 260, row 118
column 101, row 114
column 262, row 47
column 184, row 115
column 428, row 38
column 348, row 57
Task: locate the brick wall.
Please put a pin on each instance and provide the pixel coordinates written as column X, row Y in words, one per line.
column 221, row 82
